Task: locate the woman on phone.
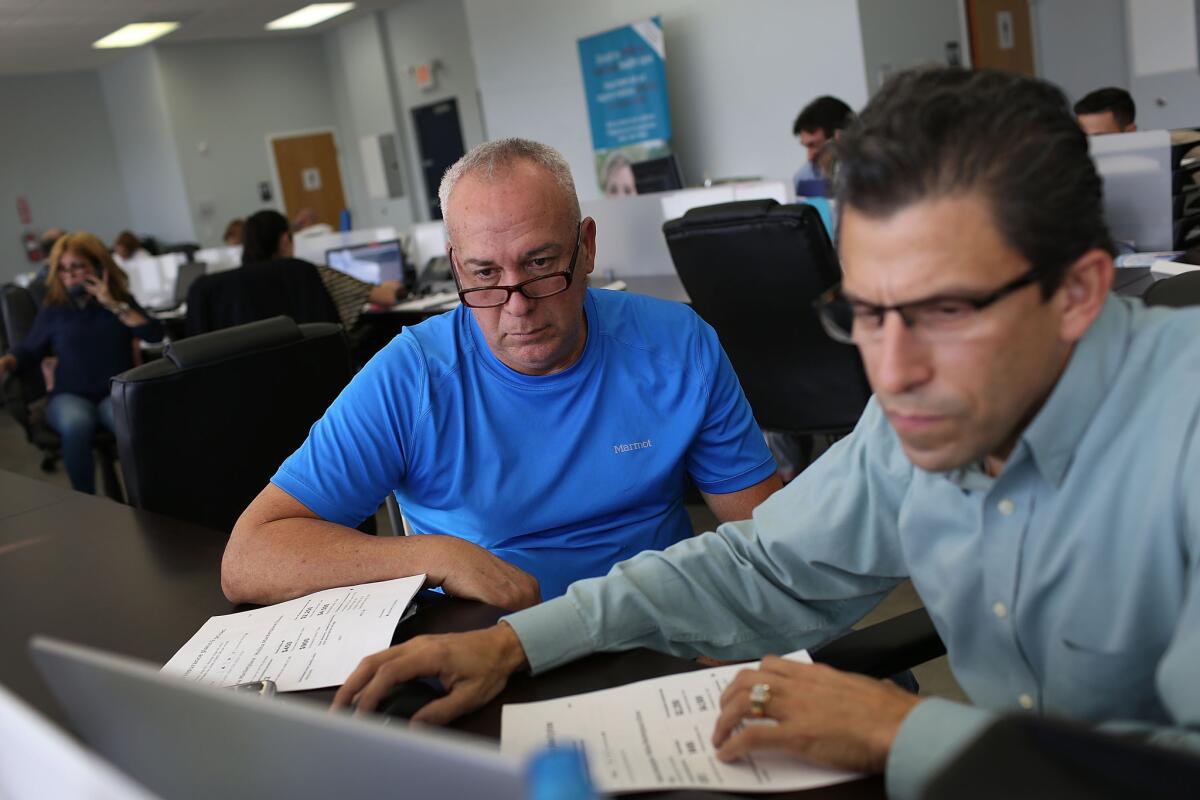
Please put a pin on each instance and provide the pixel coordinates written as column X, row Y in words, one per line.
column 90, row 321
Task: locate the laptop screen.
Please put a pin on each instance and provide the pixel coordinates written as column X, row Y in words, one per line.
column 372, row 263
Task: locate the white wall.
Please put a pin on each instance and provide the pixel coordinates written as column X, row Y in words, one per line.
column 419, row 32
column 149, row 161
column 897, row 36
column 229, row 96
column 362, row 98
column 737, row 74
column 1081, row 44
column 1164, row 76
column 60, row 155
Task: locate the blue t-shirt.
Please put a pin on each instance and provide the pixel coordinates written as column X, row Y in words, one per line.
column 561, row 475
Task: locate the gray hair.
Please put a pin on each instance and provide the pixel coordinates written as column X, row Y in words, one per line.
column 491, row 158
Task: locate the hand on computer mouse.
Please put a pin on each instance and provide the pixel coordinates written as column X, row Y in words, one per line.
column 473, row 667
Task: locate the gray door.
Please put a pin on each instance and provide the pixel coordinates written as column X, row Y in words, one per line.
column 440, row 143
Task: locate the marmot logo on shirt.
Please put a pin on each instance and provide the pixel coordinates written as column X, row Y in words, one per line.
column 625, row 448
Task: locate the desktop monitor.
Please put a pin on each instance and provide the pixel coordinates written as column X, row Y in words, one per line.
column 657, row 175
column 1136, row 170
column 374, row 262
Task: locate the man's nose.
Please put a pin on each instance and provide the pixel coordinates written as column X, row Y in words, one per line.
column 902, row 361
column 518, row 305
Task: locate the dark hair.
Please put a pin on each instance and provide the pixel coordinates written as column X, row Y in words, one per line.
column 260, row 236
column 1118, row 101
column 932, row 133
column 826, row 114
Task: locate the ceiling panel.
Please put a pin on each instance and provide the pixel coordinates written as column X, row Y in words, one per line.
column 38, row 36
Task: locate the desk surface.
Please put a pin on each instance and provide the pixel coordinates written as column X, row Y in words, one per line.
column 99, row 573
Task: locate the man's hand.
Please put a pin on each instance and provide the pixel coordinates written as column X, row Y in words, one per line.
column 464, row 569
column 828, row 717
column 472, row 666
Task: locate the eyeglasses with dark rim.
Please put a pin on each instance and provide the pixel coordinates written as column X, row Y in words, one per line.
column 852, row 321
column 535, row 288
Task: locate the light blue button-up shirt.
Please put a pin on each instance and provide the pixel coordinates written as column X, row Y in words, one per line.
column 1067, row 585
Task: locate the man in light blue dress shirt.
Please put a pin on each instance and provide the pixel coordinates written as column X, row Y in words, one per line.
column 1030, row 459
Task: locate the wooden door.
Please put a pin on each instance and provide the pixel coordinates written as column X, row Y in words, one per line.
column 1001, row 35
column 309, row 176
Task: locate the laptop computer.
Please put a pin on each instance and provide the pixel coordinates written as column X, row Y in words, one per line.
column 183, row 740
column 374, row 262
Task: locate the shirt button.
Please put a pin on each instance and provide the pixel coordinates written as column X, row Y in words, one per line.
column 1000, row 610
column 1006, row 506
column 1026, row 701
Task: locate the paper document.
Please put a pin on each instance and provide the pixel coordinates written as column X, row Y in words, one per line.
column 1172, row 268
column 657, row 734
column 308, row 643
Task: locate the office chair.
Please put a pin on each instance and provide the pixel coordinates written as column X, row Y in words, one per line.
column 753, row 269
column 288, row 287
column 1026, row 756
column 202, row 430
column 1176, row 292
column 24, row 395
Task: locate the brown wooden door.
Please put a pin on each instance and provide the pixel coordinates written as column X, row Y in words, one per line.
column 309, row 176
column 1001, row 35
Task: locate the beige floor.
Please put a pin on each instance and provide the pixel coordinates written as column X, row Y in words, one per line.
column 17, row 455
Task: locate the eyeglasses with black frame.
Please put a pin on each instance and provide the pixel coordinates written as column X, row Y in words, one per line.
column 535, row 288
column 853, row 321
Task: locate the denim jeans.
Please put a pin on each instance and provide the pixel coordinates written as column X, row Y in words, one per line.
column 75, row 419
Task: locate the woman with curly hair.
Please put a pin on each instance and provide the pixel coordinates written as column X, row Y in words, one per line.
column 90, row 321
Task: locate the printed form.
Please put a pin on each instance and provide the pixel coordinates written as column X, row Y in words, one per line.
column 308, row 643
column 657, row 734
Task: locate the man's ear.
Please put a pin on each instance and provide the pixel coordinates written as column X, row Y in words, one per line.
column 1083, row 292
column 587, row 236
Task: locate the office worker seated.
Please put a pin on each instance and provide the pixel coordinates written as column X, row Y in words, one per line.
column 91, row 323
column 1029, row 459
column 816, row 126
column 539, row 433
column 267, row 238
column 1109, row 110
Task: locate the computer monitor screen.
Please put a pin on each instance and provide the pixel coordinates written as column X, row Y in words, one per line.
column 375, row 262
column 657, row 175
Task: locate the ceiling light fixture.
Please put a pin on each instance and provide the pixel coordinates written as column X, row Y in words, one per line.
column 308, row 16
column 136, row 34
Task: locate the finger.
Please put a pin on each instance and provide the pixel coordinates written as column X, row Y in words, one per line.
column 404, row 667
column 751, row 738
column 741, row 684
column 359, row 678
column 732, row 715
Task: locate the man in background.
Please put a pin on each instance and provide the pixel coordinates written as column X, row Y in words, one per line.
column 817, row 124
column 1109, row 110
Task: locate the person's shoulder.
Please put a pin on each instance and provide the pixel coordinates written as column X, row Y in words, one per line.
column 438, row 343
column 648, row 315
column 668, row 333
column 1164, row 335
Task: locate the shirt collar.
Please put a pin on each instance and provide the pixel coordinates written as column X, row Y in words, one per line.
column 1054, row 434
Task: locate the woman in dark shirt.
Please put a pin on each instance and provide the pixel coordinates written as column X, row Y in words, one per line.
column 89, row 320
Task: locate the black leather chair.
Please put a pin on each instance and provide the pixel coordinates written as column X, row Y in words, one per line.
column 1177, row 291
column 24, row 395
column 753, row 269
column 202, row 430
column 1035, row 757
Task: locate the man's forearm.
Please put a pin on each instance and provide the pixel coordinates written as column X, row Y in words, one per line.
column 288, row 558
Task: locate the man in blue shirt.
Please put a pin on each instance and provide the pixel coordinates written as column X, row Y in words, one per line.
column 538, row 434
column 1029, row 460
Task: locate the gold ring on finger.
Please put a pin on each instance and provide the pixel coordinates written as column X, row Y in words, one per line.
column 760, row 695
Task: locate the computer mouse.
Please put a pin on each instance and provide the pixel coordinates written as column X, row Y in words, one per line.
column 408, row 698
